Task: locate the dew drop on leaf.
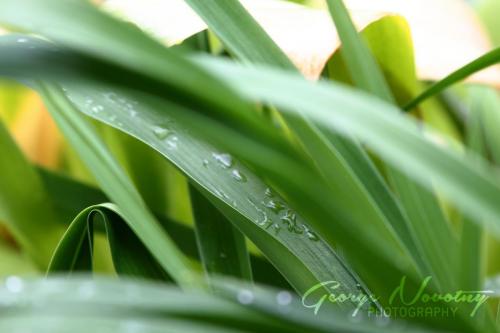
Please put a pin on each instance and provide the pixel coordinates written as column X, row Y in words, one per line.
column 161, row 133
column 238, row 176
column 172, row 142
column 275, row 206
column 224, row 160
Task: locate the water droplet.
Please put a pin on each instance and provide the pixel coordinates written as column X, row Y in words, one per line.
column 132, row 113
column 238, row 176
column 269, row 193
column 284, row 298
column 290, row 219
column 223, row 255
column 22, row 40
column 277, row 228
column 161, row 133
column 275, row 206
column 225, row 160
column 172, row 142
column 245, row 297
column 112, row 97
column 265, row 219
column 205, row 163
column 14, row 284
column 221, row 194
column 311, row 235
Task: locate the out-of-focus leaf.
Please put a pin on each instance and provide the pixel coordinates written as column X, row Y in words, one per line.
column 424, row 227
column 25, row 208
column 105, row 305
column 14, row 262
column 486, row 60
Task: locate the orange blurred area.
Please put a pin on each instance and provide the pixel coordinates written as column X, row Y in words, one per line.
column 36, row 133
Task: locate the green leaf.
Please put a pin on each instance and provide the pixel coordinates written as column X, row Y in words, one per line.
column 237, row 192
column 130, row 257
column 222, row 247
column 363, row 69
column 489, row 59
column 24, row 206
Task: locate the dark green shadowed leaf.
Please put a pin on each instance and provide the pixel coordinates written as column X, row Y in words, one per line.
column 222, row 247
column 130, row 257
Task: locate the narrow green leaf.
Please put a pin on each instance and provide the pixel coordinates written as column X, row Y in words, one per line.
column 130, row 257
column 486, row 60
column 361, row 64
column 222, row 247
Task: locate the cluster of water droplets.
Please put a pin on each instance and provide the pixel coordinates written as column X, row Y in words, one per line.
column 287, row 216
column 122, row 103
column 166, row 135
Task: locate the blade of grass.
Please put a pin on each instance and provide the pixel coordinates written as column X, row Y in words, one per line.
column 486, row 60
column 222, row 247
